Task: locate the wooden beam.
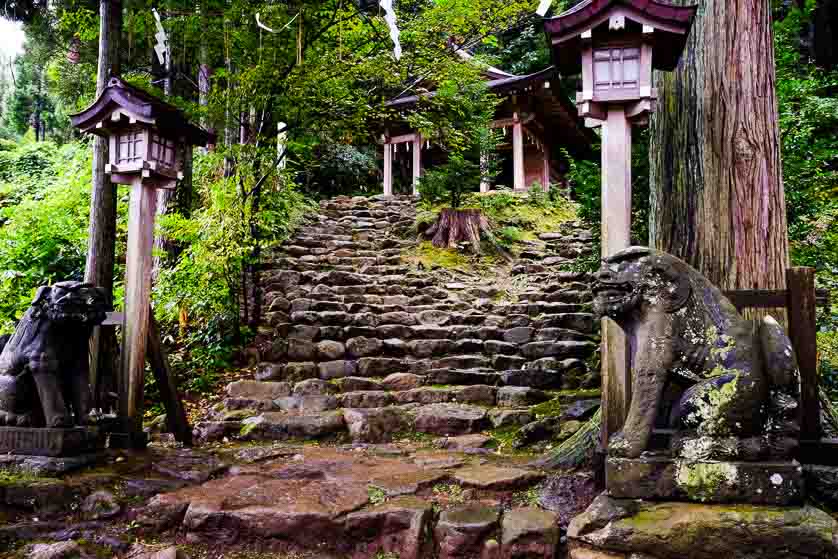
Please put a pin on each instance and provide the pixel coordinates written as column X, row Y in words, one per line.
column 615, row 227
column 769, row 298
column 388, row 169
column 518, row 155
column 803, row 332
column 401, row 139
column 176, row 421
column 141, row 211
column 823, row 452
column 507, row 122
column 417, row 162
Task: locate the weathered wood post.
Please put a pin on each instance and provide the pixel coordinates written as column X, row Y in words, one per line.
column 417, row 162
column 148, row 139
column 803, row 333
column 616, row 44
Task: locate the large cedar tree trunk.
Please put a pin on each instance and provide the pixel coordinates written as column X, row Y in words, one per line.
column 101, row 246
column 715, row 178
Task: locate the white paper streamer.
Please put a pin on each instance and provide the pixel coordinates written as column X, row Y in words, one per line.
column 390, row 18
column 543, row 6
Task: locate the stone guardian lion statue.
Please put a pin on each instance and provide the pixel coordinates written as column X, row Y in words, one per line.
column 44, row 365
column 729, row 387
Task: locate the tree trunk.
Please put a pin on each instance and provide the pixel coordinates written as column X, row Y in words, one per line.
column 101, row 246
column 453, row 227
column 716, row 184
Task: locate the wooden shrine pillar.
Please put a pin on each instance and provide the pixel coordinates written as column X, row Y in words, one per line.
column 484, row 184
column 545, row 174
column 616, row 235
column 518, row 153
column 803, row 331
column 142, row 207
column 388, row 167
column 417, row 162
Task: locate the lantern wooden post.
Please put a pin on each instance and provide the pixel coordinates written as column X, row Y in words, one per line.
column 148, row 141
column 616, row 44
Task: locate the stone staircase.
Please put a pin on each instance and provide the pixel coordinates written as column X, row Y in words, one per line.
column 361, row 344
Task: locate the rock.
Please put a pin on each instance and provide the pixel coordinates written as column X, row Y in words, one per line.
column 140, row 551
column 460, row 531
column 301, row 350
column 519, row 335
column 307, row 404
column 401, row 381
column 329, row 350
column 353, row 384
column 708, row 481
column 537, row 350
column 567, row 495
column 210, row 431
column 581, row 410
column 258, row 390
column 100, row 505
column 569, row 429
column 396, row 528
column 147, row 488
column 696, row 531
column 365, row 399
column 269, row 371
column 329, row 370
column 364, row 347
column 300, row 371
column 463, row 442
column 434, row 318
column 450, row 419
column 508, row 362
column 407, row 483
column 536, row 431
column 60, row 550
column 313, row 387
column 496, row 346
column 520, row 396
column 188, row 465
column 532, row 378
column 375, row 425
column 822, row 483
column 509, row 418
column 429, row 348
column 283, row 426
column 496, row 478
column 379, row 366
column 529, row 533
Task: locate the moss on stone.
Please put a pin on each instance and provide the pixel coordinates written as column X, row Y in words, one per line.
column 550, row 408
column 431, row 257
column 17, row 476
column 702, row 481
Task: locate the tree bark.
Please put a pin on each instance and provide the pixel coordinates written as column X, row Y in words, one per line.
column 101, row 248
column 716, row 187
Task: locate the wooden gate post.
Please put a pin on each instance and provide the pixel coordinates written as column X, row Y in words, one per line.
column 803, row 334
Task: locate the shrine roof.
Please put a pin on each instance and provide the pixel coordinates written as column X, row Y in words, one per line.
column 145, row 107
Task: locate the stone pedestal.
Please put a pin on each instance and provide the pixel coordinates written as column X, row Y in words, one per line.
column 665, row 479
column 634, row 529
column 49, row 451
column 37, row 441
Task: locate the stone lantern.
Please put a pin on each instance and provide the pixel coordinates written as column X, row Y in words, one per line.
column 147, row 141
column 616, row 44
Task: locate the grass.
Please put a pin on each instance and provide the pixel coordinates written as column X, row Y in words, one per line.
column 376, row 495
column 452, row 492
column 14, row 476
column 526, row 497
column 433, row 258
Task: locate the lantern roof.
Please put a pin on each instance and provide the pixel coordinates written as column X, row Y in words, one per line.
column 671, row 25
column 121, row 103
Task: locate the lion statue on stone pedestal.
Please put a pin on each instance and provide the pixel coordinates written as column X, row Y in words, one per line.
column 729, row 387
column 44, row 365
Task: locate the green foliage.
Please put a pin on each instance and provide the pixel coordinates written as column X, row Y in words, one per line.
column 376, row 495
column 200, row 295
column 45, row 206
column 808, row 109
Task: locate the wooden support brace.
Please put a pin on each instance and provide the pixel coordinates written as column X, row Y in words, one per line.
column 803, row 333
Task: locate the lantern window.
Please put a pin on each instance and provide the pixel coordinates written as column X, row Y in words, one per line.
column 616, row 68
column 163, row 150
column 130, row 146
